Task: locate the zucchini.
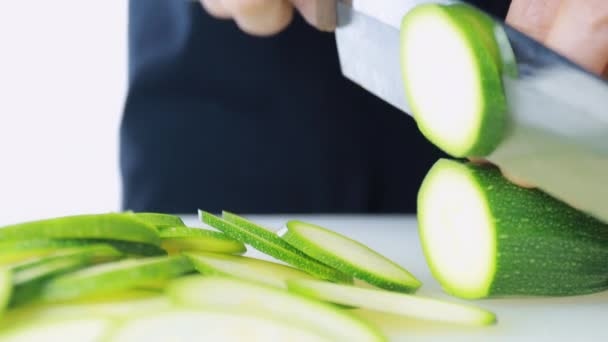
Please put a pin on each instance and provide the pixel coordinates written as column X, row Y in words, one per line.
column 110, row 277
column 485, row 237
column 269, row 243
column 251, row 269
column 192, row 325
column 348, row 256
column 160, row 220
column 451, row 69
column 229, row 295
column 28, row 277
column 110, row 226
column 393, row 303
column 178, row 239
column 87, row 329
column 120, row 306
column 13, row 251
column 6, row 288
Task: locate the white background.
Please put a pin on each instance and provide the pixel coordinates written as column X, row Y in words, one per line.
column 62, row 87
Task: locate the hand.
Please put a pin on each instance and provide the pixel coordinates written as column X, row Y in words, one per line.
column 262, row 17
column 578, row 29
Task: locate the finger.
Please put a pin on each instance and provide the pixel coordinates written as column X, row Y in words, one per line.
column 216, row 8
column 478, row 161
column 260, row 17
column 580, row 32
column 517, row 181
column 319, row 13
column 534, row 17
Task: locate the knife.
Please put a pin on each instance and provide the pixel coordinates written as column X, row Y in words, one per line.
column 557, row 136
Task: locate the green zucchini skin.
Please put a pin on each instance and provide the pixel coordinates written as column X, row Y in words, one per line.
column 543, row 246
column 111, row 277
column 113, row 226
column 29, row 277
column 478, row 31
column 12, row 251
column 160, row 220
column 271, row 244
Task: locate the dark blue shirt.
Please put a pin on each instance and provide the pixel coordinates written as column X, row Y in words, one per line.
column 216, row 119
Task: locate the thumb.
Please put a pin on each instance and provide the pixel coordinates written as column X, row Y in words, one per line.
column 580, row 32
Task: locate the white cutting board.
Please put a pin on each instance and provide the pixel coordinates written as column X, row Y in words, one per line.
column 581, row 318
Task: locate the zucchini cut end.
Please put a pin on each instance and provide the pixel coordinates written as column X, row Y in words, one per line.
column 452, row 81
column 457, row 230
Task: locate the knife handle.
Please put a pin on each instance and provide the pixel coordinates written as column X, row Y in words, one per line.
column 322, row 14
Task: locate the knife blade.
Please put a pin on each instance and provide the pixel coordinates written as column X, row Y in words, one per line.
column 557, row 137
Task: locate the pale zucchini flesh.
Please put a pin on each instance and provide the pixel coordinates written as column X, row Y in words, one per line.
column 192, row 325
column 485, row 237
column 220, row 293
column 178, row 239
column 393, row 303
column 269, row 243
column 245, row 268
column 6, row 288
column 453, row 80
column 348, row 256
column 72, row 330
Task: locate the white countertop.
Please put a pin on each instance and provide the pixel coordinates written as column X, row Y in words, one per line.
column 581, row 318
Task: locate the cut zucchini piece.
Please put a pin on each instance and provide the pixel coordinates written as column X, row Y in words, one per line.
column 393, row 303
column 100, row 226
column 251, row 269
column 14, row 251
column 120, row 306
column 76, row 330
column 121, row 275
column 29, row 276
column 485, row 237
column 160, row 220
column 190, row 325
column 269, row 243
column 348, row 256
column 178, row 239
column 6, row 288
column 452, row 79
column 231, row 295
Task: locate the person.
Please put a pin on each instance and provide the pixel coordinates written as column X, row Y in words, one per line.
column 217, row 117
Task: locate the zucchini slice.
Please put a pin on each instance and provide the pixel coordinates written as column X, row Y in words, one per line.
column 6, row 288
column 109, row 277
column 452, row 75
column 190, row 325
column 28, row 277
column 269, row 243
column 245, row 268
column 14, row 251
column 485, row 237
column 159, row 220
column 178, row 239
column 393, row 303
column 76, row 330
column 110, row 226
column 230, row 295
column 348, row 256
